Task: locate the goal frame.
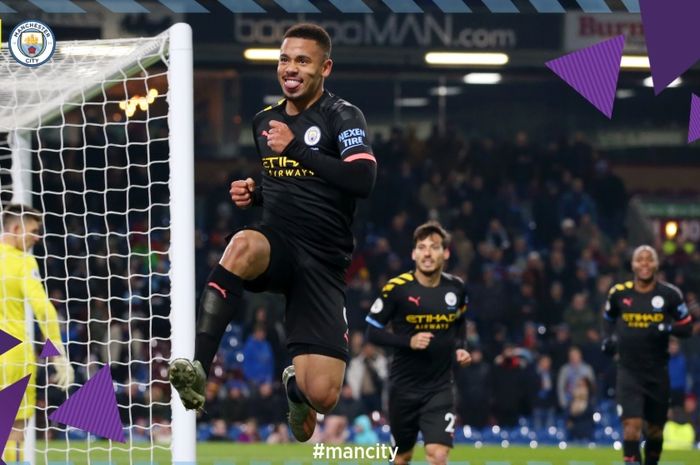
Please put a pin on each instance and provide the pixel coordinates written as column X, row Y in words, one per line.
column 182, row 227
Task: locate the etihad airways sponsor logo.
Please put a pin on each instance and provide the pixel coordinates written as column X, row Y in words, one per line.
column 279, row 166
column 642, row 320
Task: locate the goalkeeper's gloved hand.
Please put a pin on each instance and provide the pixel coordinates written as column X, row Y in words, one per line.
column 609, row 346
column 64, row 372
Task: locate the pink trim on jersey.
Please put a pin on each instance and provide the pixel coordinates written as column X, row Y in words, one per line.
column 361, row 156
column 686, row 320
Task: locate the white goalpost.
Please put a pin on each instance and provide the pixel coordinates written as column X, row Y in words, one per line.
column 100, row 140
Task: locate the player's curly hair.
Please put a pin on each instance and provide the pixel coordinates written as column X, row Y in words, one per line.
column 312, row 32
column 17, row 212
column 428, row 229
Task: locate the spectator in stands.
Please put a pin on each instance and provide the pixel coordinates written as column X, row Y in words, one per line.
column 280, row 435
column 335, row 429
column 546, row 217
column 489, row 300
column 474, row 390
column 690, row 407
column 509, row 388
column 678, row 372
column 558, row 270
column 367, row 374
column 234, row 409
column 576, row 202
column 268, row 405
column 679, row 433
column 364, row 434
column 258, row 361
column 249, row 432
column 610, row 197
column 219, row 431
column 552, row 309
column 569, row 376
column 579, row 420
column 580, row 319
column 545, row 403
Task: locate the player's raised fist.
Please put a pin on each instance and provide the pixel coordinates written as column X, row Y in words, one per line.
column 420, row 341
column 464, row 358
column 279, row 136
column 242, row 192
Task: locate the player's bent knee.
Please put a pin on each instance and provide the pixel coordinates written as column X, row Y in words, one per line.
column 322, row 391
column 247, row 254
column 436, row 454
column 323, row 402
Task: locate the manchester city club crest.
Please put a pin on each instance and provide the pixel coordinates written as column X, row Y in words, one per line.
column 657, row 302
column 312, row 135
column 32, row 43
column 451, row 299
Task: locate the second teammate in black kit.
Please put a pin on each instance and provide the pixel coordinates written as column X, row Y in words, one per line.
column 640, row 316
column 316, row 162
column 425, row 310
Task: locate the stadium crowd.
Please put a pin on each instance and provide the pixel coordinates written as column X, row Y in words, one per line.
column 539, row 234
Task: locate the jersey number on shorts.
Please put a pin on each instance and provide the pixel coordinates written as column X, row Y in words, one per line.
column 450, row 419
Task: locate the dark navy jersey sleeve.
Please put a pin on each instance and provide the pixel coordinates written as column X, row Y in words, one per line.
column 677, row 307
column 383, row 309
column 612, row 309
column 351, row 133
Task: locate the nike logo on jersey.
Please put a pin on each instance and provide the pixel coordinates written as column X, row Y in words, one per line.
column 627, row 301
column 415, row 300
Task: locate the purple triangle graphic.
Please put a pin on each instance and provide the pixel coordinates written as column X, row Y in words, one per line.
column 49, row 350
column 7, row 341
column 93, row 408
column 673, row 38
column 10, row 399
column 593, row 72
column 694, row 125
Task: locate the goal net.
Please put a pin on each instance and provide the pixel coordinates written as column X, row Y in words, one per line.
column 99, row 139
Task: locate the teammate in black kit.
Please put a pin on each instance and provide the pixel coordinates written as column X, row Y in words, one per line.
column 425, row 309
column 316, row 161
column 640, row 316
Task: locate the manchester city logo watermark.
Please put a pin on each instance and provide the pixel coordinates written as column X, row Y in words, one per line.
column 32, row 43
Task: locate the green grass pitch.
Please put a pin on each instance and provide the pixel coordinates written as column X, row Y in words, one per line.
column 213, row 453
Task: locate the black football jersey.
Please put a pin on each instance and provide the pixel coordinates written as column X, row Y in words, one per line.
column 315, row 214
column 411, row 308
column 641, row 342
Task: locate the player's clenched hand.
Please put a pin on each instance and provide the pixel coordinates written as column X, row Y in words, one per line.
column 420, row 341
column 279, row 136
column 464, row 358
column 242, row 192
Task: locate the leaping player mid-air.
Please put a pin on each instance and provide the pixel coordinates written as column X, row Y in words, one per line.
column 316, row 162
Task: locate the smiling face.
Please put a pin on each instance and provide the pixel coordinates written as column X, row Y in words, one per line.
column 301, row 69
column 430, row 254
column 645, row 263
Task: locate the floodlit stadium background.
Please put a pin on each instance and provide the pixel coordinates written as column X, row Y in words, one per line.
column 544, row 196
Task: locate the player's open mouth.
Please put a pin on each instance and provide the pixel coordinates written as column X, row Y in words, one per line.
column 292, row 84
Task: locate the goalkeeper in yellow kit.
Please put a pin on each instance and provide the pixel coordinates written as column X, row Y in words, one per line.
column 20, row 283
